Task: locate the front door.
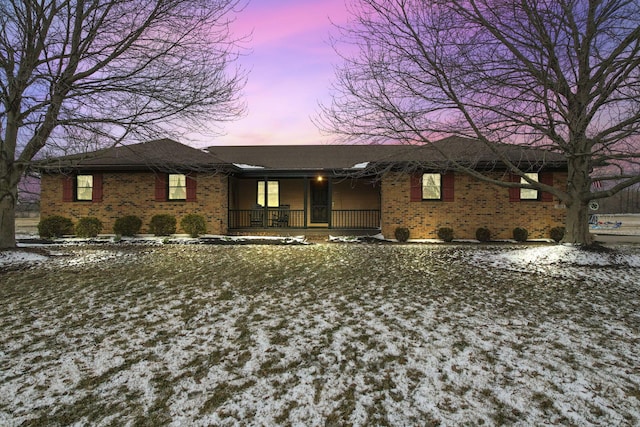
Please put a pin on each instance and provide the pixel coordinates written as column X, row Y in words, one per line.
column 319, row 201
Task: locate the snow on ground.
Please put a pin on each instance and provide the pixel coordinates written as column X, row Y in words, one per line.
column 20, row 257
column 322, row 335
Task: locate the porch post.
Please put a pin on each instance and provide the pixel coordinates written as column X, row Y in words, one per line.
column 330, row 200
column 306, row 197
column 265, row 207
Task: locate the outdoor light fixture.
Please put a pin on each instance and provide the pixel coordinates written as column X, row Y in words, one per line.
column 319, row 179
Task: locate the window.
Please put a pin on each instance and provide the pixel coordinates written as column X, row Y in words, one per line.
column 177, row 187
column 526, row 193
column 84, row 187
column 272, row 194
column 431, row 186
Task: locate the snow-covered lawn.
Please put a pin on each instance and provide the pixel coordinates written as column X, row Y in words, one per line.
column 330, row 334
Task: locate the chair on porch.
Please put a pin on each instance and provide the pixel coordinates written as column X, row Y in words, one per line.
column 257, row 216
column 281, row 217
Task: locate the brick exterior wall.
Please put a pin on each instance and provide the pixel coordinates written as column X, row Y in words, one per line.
column 133, row 193
column 476, row 204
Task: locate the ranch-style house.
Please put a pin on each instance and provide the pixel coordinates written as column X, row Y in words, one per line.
column 308, row 189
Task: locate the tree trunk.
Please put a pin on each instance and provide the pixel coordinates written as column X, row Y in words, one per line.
column 8, row 197
column 577, row 224
column 578, row 192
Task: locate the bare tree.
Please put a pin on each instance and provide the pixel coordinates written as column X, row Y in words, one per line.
column 561, row 75
column 78, row 74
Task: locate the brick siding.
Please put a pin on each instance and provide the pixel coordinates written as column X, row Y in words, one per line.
column 476, row 204
column 133, row 193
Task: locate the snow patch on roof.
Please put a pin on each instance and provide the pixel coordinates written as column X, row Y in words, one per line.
column 245, row 166
column 362, row 165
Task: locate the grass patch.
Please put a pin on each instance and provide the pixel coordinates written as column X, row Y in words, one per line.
column 316, row 335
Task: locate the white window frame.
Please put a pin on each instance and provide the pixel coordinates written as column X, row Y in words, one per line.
column 177, row 186
column 431, row 186
column 527, row 193
column 273, row 193
column 84, row 188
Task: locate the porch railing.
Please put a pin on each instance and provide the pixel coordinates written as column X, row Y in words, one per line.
column 262, row 218
column 355, row 219
column 295, row 218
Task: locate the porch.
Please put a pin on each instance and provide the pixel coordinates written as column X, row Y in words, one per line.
column 272, row 203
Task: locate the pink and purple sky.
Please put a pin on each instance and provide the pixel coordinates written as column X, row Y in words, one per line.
column 290, row 63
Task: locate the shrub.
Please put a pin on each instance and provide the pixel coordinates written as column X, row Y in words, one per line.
column 402, row 234
column 520, row 234
column 55, row 226
column 557, row 233
column 483, row 234
column 445, row 233
column 194, row 224
column 127, row 225
column 162, row 225
column 88, row 227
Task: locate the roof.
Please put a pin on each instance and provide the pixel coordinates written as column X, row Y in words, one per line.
column 166, row 154
column 467, row 152
column 161, row 154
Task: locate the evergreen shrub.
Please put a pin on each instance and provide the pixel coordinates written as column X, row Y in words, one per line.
column 445, row 233
column 557, row 233
column 483, row 234
column 194, row 224
column 162, row 225
column 402, row 234
column 88, row 227
column 127, row 225
column 55, row 226
column 520, row 234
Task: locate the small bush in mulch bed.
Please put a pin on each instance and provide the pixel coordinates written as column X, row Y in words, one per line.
column 520, row 234
column 55, row 226
column 162, row 225
column 402, row 234
column 445, row 233
column 483, row 234
column 127, row 226
column 194, row 224
column 88, row 227
column 557, row 233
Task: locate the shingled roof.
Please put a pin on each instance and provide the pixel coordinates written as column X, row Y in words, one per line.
column 161, row 154
column 467, row 152
column 166, row 154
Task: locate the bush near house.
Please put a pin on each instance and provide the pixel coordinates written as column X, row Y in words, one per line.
column 162, row 225
column 557, row 233
column 483, row 234
column 55, row 226
column 402, row 234
column 445, row 233
column 127, row 225
column 194, row 224
column 88, row 227
column 520, row 234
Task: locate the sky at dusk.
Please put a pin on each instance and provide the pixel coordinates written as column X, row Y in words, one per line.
column 291, row 65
